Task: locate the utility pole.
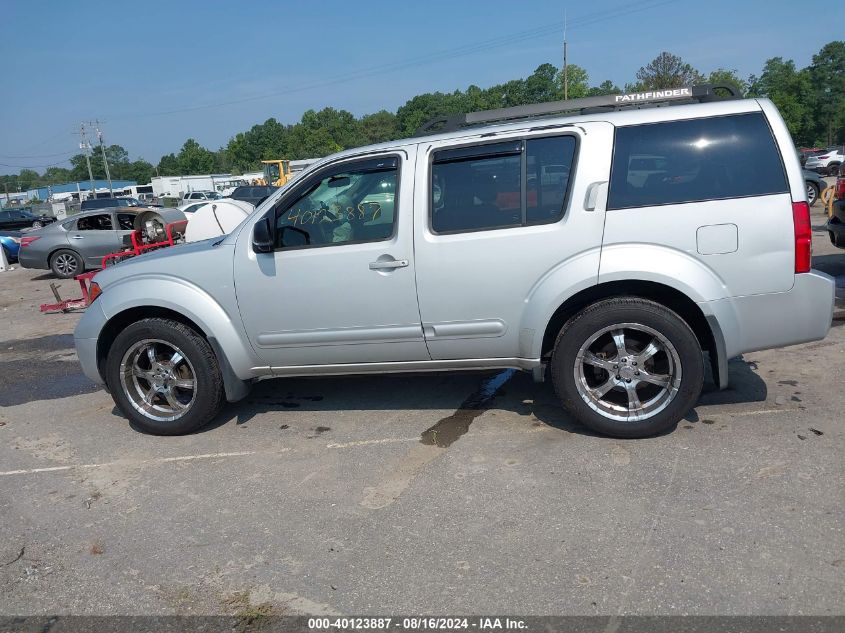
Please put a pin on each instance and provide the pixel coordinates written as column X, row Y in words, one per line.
column 105, row 160
column 85, row 146
column 565, row 73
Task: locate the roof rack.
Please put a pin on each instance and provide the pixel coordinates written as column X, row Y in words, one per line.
column 587, row 105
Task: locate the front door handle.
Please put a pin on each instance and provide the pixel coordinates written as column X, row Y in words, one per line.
column 390, row 264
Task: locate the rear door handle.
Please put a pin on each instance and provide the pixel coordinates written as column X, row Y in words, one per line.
column 389, row 264
column 77, row 237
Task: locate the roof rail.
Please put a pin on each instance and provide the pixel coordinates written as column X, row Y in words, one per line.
column 685, row 94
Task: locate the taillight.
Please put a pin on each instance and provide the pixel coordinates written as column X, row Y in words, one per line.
column 27, row 240
column 840, row 188
column 824, row 157
column 803, row 236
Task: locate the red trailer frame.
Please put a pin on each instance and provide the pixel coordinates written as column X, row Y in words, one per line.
column 173, row 231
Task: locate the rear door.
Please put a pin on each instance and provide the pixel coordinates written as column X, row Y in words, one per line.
column 493, row 218
column 93, row 237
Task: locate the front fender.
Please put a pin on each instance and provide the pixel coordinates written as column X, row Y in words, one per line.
column 185, row 298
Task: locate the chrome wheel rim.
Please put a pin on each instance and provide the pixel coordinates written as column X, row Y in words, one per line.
column 158, row 380
column 37, row 225
column 811, row 194
column 627, row 372
column 66, row 264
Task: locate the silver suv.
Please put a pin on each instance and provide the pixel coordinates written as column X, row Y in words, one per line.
column 614, row 246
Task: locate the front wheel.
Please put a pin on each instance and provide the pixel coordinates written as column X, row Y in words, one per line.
column 627, row 367
column 164, row 377
column 37, row 224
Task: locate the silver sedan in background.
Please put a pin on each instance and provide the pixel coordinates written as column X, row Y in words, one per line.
column 72, row 246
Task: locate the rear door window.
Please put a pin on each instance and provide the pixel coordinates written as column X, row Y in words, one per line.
column 690, row 161
column 501, row 185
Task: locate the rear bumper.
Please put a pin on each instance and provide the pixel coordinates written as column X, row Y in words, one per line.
column 755, row 322
column 28, row 260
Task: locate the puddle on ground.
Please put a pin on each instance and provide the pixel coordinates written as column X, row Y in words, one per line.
column 449, row 429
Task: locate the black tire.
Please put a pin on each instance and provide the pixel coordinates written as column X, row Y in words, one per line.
column 9, row 257
column 208, row 396
column 812, row 196
column 627, row 310
column 66, row 264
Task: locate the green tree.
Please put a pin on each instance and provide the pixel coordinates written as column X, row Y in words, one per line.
column 667, row 71
column 168, row 165
column 56, row 175
column 193, row 158
column 419, row 109
column 578, row 81
column 827, row 74
column 730, row 77
column 379, row 127
column 28, row 179
column 606, row 87
column 140, row 171
column 791, row 90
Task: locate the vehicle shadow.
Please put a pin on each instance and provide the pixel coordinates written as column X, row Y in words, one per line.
column 833, row 265
column 43, row 368
column 449, row 393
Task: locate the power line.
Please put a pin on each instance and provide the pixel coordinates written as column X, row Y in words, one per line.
column 37, row 155
column 460, row 51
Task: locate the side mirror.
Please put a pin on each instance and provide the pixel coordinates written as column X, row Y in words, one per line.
column 262, row 236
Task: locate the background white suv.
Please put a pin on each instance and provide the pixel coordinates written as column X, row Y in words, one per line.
column 827, row 162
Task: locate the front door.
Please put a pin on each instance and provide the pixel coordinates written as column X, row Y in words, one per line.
column 339, row 287
column 496, row 219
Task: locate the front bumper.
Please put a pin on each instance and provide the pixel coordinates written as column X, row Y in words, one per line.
column 85, row 338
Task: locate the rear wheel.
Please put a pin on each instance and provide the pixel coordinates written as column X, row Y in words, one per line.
column 164, row 377
column 37, row 224
column 628, row 367
column 66, row 264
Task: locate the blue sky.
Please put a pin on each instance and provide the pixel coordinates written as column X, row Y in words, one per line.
column 150, row 70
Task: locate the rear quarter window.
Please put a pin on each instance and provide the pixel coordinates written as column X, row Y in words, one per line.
column 690, row 161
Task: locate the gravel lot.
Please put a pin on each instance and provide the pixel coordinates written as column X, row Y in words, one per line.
column 318, row 496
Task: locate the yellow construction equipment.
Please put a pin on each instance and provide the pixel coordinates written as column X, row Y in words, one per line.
column 276, row 172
